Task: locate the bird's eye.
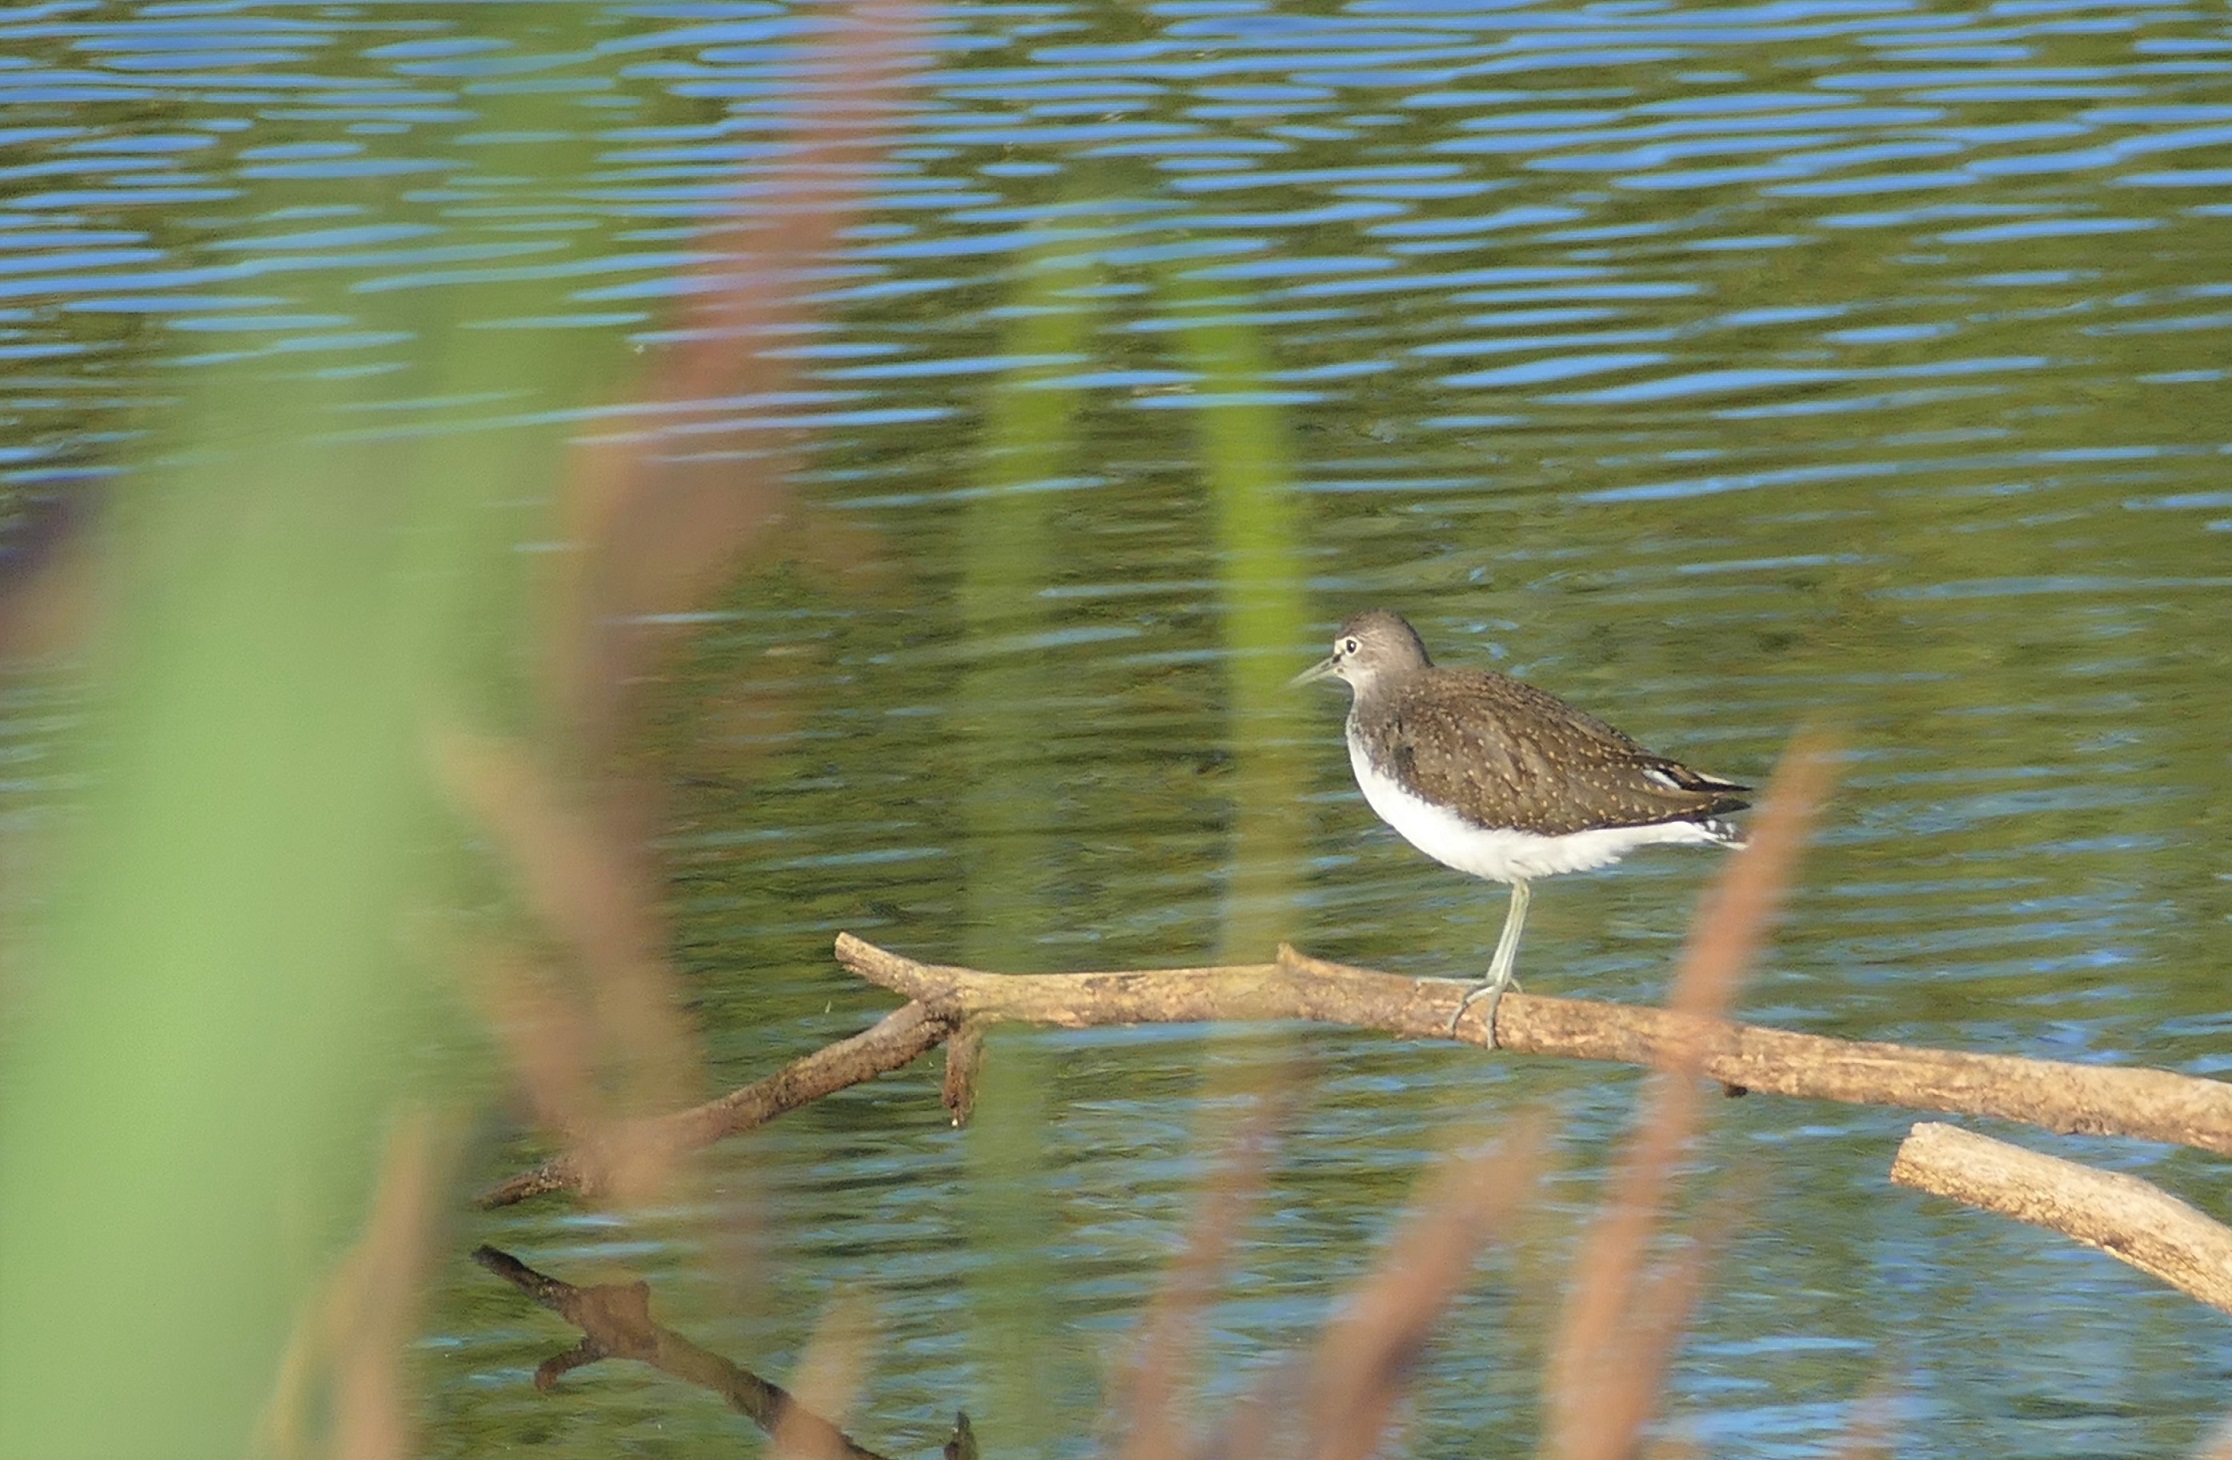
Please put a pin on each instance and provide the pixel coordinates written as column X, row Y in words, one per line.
column 1350, row 646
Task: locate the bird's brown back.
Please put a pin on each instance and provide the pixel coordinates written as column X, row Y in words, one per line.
column 1502, row 753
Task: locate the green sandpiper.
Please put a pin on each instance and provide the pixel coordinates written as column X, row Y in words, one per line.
column 1491, row 776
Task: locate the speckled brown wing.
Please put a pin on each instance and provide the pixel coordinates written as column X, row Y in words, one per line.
column 1505, row 754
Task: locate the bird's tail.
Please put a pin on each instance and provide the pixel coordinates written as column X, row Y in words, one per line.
column 1725, row 833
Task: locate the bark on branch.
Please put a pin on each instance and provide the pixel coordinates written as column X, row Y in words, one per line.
column 2121, row 1215
column 898, row 1039
column 2155, row 1105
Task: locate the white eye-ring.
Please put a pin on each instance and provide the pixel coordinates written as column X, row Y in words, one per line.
column 1349, row 645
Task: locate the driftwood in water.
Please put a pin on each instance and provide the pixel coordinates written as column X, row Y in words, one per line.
column 1345, row 1396
column 2155, row 1105
column 616, row 1323
column 2121, row 1215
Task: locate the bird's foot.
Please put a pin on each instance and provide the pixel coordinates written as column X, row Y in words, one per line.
column 1495, row 990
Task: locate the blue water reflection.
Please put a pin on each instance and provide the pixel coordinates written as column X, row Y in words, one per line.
column 1721, row 367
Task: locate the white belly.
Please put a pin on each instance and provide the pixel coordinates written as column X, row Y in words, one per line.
column 1503, row 855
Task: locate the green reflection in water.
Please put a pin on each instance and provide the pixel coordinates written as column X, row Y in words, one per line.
column 219, row 1014
column 1259, row 534
column 1010, row 808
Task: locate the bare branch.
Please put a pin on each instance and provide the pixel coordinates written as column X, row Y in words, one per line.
column 2154, row 1105
column 2121, row 1215
column 896, row 1040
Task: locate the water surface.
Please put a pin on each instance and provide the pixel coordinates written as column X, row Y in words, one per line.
column 1722, row 369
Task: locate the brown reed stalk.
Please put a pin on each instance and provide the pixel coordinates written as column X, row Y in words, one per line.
column 1370, row 1352
column 347, row 1353
column 654, row 534
column 1614, row 1339
column 1147, row 1405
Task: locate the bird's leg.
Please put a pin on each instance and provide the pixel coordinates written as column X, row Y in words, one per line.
column 1499, row 968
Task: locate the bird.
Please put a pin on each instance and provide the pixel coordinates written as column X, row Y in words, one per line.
column 1491, row 776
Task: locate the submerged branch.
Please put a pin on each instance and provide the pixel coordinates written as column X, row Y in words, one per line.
column 615, row 1322
column 2121, row 1215
column 2155, row 1105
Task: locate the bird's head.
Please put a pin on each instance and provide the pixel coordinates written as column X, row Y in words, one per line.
column 1368, row 646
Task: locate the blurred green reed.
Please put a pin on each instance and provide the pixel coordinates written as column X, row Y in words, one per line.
column 235, row 987
column 1007, row 709
column 1263, row 599
column 224, row 1000
column 221, row 1012
column 1010, row 709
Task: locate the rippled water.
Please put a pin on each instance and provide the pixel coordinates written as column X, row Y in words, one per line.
column 1724, row 369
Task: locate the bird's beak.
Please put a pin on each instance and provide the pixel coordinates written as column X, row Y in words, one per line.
column 1323, row 669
